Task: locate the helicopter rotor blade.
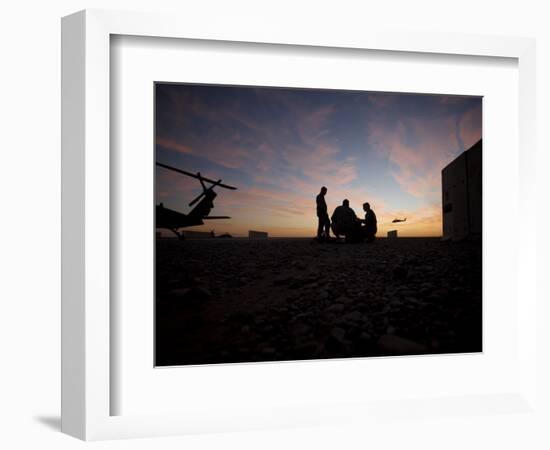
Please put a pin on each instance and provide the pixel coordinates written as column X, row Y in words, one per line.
column 193, row 175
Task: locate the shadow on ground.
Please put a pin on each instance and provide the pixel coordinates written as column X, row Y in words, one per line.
column 51, row 422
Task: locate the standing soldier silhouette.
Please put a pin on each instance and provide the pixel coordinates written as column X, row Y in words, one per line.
column 322, row 214
column 371, row 228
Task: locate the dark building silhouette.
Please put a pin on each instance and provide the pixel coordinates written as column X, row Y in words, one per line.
column 188, row 234
column 461, row 182
column 257, row 235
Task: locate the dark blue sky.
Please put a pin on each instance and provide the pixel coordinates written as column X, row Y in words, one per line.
column 279, row 146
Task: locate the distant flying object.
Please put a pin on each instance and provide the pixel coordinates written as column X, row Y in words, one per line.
column 398, row 220
column 174, row 220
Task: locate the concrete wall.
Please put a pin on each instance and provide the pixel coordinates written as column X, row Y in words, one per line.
column 475, row 196
column 257, row 235
column 461, row 182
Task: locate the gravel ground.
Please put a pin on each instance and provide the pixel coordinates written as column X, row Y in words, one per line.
column 235, row 300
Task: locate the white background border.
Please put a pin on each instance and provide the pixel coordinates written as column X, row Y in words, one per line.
column 86, row 406
column 30, row 320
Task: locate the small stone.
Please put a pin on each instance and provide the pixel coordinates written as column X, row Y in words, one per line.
column 307, row 348
column 343, row 299
column 194, row 293
column 280, row 281
column 407, row 293
column 442, row 293
column 338, row 334
column 179, row 292
column 396, row 345
column 354, row 316
column 301, row 329
column 298, row 265
column 364, row 336
column 400, row 272
column 298, row 282
column 336, row 308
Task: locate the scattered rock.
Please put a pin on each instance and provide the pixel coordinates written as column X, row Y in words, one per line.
column 298, row 282
column 301, row 329
column 336, row 308
column 395, row 345
column 298, row 265
column 364, row 336
column 400, row 272
column 280, row 281
column 343, row 299
column 338, row 334
column 400, row 297
column 268, row 351
column 192, row 294
column 407, row 293
column 240, row 317
column 353, row 316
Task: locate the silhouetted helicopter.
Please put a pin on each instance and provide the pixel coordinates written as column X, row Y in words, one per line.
column 174, row 220
column 398, row 220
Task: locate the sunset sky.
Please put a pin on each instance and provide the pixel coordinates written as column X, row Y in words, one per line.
column 279, row 146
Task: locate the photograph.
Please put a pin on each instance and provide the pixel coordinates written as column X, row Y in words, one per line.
column 298, row 224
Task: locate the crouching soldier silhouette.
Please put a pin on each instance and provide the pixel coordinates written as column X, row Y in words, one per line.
column 323, row 229
column 345, row 222
column 370, row 227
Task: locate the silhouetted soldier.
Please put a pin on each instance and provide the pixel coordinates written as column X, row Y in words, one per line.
column 344, row 221
column 370, row 227
column 322, row 214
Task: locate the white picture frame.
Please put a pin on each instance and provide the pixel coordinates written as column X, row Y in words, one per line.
column 86, row 246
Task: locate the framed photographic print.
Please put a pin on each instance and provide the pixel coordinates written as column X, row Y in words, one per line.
column 256, row 222
column 322, row 173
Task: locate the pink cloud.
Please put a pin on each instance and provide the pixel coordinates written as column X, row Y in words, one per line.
column 382, row 99
column 225, row 154
column 419, row 149
column 173, row 145
column 311, row 126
